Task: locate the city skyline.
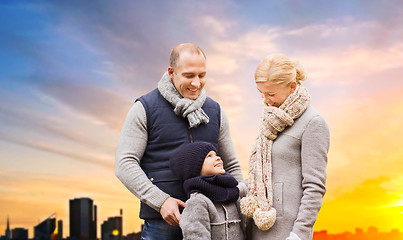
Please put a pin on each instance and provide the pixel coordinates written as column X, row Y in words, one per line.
column 110, row 223
column 80, row 210
column 70, row 71
column 372, row 233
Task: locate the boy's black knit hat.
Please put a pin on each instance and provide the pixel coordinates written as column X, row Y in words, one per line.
column 188, row 160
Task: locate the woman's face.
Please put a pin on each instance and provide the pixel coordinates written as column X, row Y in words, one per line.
column 275, row 94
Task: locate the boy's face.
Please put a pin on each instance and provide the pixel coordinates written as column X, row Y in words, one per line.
column 212, row 165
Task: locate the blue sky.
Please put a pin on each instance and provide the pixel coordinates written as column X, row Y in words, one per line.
column 70, row 70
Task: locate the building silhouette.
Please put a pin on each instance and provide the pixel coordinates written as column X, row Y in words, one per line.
column 7, row 232
column 45, row 229
column 83, row 219
column 60, row 230
column 371, row 234
column 83, row 226
column 19, row 234
column 321, row 235
column 359, row 234
column 111, row 229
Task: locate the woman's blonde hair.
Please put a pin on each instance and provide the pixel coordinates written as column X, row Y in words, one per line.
column 278, row 69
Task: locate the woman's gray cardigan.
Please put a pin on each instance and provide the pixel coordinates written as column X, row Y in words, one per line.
column 202, row 219
column 299, row 159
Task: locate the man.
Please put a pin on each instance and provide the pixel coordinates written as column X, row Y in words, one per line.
column 176, row 113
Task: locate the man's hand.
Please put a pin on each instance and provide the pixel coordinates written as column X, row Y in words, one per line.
column 170, row 211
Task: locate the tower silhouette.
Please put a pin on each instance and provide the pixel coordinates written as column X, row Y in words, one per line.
column 83, row 219
column 8, row 232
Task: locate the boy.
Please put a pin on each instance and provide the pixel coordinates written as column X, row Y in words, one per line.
column 212, row 211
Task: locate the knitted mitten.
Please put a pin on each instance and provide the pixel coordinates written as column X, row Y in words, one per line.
column 264, row 220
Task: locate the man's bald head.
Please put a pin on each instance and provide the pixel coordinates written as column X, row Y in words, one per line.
column 178, row 49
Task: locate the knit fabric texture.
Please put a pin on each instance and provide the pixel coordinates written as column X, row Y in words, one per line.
column 188, row 160
column 184, row 107
column 218, row 188
column 258, row 204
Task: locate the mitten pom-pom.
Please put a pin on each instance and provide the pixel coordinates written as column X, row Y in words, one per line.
column 248, row 206
column 264, row 220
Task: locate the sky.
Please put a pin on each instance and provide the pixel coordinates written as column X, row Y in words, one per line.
column 70, row 71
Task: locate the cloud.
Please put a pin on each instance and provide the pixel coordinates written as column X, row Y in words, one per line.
column 342, row 50
column 353, row 65
column 96, row 101
column 91, row 158
column 131, row 42
column 25, row 118
column 360, row 141
column 63, row 185
column 52, row 127
column 216, row 27
column 362, row 207
column 84, row 63
column 222, row 64
column 250, row 45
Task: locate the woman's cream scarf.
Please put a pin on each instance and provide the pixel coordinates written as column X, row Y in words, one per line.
column 258, row 204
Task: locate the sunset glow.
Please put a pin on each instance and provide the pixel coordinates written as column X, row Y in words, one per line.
column 70, row 71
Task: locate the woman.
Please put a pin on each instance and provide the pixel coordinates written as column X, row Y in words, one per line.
column 287, row 171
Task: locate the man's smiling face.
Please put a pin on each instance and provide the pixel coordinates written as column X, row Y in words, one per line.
column 189, row 76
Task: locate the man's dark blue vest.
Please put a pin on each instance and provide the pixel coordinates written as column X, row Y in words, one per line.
column 166, row 133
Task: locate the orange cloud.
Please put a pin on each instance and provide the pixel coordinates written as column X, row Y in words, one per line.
column 354, row 64
column 364, row 206
column 366, row 138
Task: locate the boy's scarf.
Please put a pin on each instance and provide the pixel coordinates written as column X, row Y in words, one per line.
column 274, row 121
column 184, row 107
column 218, row 188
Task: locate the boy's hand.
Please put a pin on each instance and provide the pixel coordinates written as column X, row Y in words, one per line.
column 170, row 211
